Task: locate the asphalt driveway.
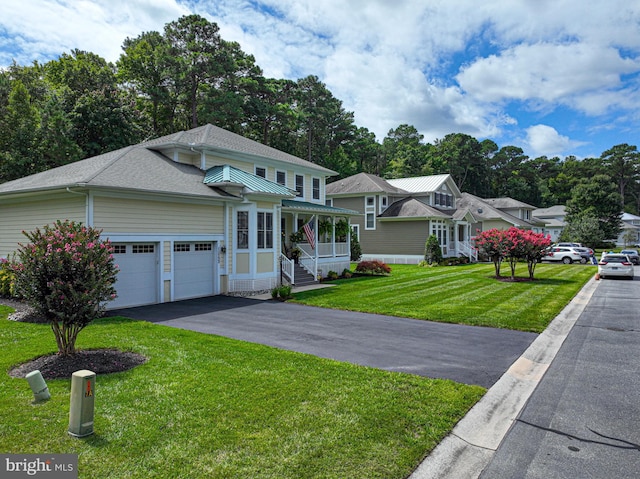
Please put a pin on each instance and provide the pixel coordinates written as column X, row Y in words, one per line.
column 465, row 354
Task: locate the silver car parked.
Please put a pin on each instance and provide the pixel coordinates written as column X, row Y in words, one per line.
column 632, row 254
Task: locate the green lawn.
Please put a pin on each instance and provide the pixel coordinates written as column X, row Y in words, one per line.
column 467, row 294
column 210, row 407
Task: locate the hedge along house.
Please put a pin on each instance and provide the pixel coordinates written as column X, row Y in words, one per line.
column 195, row 213
column 399, row 215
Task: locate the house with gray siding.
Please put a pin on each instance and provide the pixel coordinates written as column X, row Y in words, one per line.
column 398, row 215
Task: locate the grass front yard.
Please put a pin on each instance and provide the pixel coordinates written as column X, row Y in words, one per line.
column 203, row 406
column 467, row 294
column 210, row 407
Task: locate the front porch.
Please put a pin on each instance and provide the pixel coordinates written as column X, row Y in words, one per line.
column 314, row 237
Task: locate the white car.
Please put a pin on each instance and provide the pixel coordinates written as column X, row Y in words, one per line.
column 615, row 265
column 562, row 253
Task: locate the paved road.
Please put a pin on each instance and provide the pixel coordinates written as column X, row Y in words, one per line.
column 466, row 354
column 583, row 419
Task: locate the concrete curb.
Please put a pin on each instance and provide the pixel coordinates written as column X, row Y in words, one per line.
column 471, row 445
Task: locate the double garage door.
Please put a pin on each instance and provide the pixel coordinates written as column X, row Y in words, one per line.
column 139, row 276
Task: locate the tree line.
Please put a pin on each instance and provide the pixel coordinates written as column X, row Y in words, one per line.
column 80, row 105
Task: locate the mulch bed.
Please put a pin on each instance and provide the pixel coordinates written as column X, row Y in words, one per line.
column 99, row 361
column 55, row 366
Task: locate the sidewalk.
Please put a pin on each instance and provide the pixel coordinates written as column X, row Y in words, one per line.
column 473, row 443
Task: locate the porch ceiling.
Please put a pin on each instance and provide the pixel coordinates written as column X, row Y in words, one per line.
column 298, row 206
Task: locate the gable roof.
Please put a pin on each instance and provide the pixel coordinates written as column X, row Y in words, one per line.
column 411, row 208
column 361, row 183
column 226, row 175
column 131, row 168
column 144, row 167
column 507, row 203
column 552, row 211
column 425, row 184
column 483, row 211
column 215, row 139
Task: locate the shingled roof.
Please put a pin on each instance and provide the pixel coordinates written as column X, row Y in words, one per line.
column 144, row 167
column 131, row 168
column 212, row 138
column 412, row 208
column 361, row 183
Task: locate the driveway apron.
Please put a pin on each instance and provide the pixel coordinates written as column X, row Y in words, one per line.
column 465, row 354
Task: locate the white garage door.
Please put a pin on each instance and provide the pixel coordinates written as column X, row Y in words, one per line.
column 137, row 282
column 194, row 269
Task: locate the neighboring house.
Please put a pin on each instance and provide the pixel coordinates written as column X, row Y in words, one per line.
column 500, row 213
column 195, row 213
column 630, row 233
column 553, row 219
column 399, row 215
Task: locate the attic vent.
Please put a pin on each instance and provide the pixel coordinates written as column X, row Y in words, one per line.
column 479, row 210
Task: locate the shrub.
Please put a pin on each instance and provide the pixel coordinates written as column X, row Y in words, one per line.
column 332, row 275
column 355, row 248
column 285, row 291
column 426, row 264
column 346, row 273
column 432, row 250
column 372, row 267
column 7, row 279
column 67, row 274
column 274, row 292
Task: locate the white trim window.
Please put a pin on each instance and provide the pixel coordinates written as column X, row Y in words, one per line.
column 242, row 230
column 369, row 212
column 384, row 203
column 315, row 188
column 300, row 186
column 439, row 229
column 356, row 229
column 265, row 230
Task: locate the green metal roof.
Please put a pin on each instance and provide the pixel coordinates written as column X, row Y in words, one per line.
column 226, row 174
column 316, row 207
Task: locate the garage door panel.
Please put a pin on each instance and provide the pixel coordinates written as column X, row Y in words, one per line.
column 137, row 280
column 194, row 269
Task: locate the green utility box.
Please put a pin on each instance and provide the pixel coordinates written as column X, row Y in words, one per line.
column 83, row 394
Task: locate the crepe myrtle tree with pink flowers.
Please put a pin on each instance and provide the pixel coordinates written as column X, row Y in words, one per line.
column 494, row 245
column 514, row 245
column 67, row 274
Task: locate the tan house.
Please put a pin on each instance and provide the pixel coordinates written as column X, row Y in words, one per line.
column 398, row 215
column 195, row 213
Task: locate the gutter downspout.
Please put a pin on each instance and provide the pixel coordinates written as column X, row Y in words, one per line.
column 88, row 205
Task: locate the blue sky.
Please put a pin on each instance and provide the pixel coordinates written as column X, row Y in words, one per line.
column 554, row 77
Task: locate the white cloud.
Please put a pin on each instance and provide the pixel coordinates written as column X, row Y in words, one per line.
column 547, row 72
column 44, row 29
column 392, row 62
column 545, row 140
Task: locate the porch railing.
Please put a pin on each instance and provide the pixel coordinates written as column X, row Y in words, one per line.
column 308, row 262
column 325, row 250
column 466, row 249
column 287, row 268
